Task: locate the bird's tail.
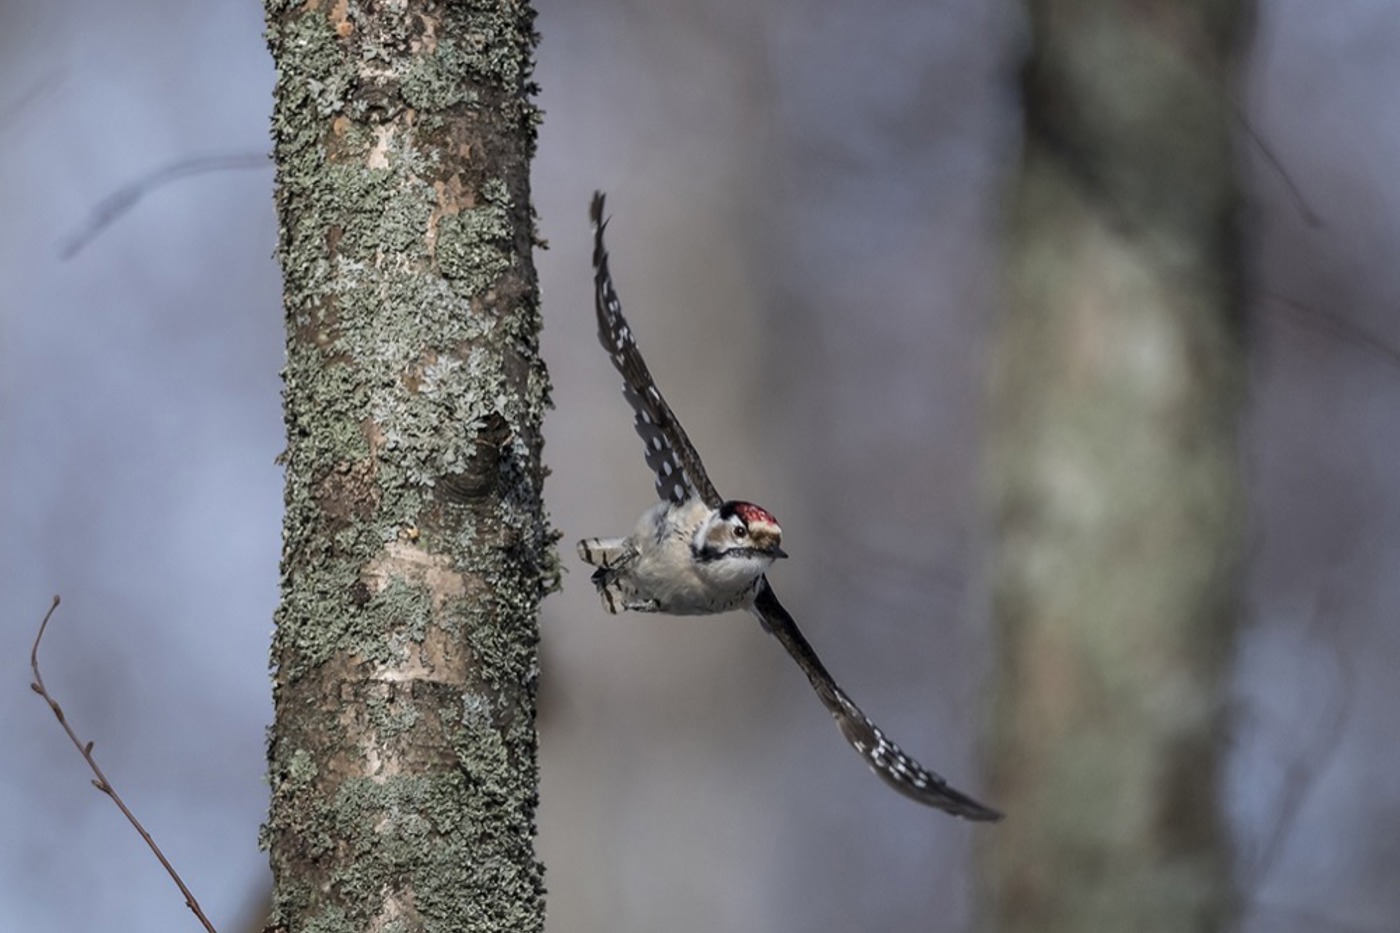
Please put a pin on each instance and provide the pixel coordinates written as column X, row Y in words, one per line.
column 609, row 555
column 605, row 553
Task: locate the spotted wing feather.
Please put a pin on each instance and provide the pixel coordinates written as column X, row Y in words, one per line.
column 884, row 757
column 679, row 472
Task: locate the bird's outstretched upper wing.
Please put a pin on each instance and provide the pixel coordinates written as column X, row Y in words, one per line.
column 884, row 757
column 679, row 473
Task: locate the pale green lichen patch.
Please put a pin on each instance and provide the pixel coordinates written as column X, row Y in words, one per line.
column 436, row 82
column 314, row 80
column 488, row 762
column 413, row 834
column 391, row 717
column 473, row 245
column 383, row 214
column 302, row 769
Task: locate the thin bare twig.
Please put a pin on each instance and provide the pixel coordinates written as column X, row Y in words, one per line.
column 31, row 96
column 1304, row 208
column 124, row 198
column 1301, row 775
column 1334, row 325
column 101, row 783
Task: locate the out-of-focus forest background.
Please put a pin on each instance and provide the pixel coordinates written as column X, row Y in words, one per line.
column 807, row 216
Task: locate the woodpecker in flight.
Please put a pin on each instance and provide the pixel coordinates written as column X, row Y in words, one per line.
column 695, row 553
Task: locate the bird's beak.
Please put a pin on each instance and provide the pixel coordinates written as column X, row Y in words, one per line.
column 777, row 552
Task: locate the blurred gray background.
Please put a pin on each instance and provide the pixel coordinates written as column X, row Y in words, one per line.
column 806, row 209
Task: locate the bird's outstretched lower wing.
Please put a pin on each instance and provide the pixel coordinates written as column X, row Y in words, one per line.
column 884, row 757
column 679, row 473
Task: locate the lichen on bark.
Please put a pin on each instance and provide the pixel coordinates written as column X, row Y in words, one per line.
column 402, row 761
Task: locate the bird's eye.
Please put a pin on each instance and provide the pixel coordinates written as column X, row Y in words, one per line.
column 740, row 531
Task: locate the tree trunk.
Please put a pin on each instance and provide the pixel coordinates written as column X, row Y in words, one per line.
column 1115, row 401
column 403, row 756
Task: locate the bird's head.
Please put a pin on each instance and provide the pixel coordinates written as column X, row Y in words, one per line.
column 741, row 530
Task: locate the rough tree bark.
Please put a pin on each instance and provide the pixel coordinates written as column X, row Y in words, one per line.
column 403, row 756
column 1115, row 400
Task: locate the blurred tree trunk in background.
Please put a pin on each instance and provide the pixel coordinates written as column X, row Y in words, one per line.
column 1118, row 377
column 403, row 756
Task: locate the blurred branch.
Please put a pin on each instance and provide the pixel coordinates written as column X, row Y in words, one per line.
column 1334, row 325
column 1304, row 208
column 119, row 202
column 29, row 97
column 1301, row 776
column 101, row 783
